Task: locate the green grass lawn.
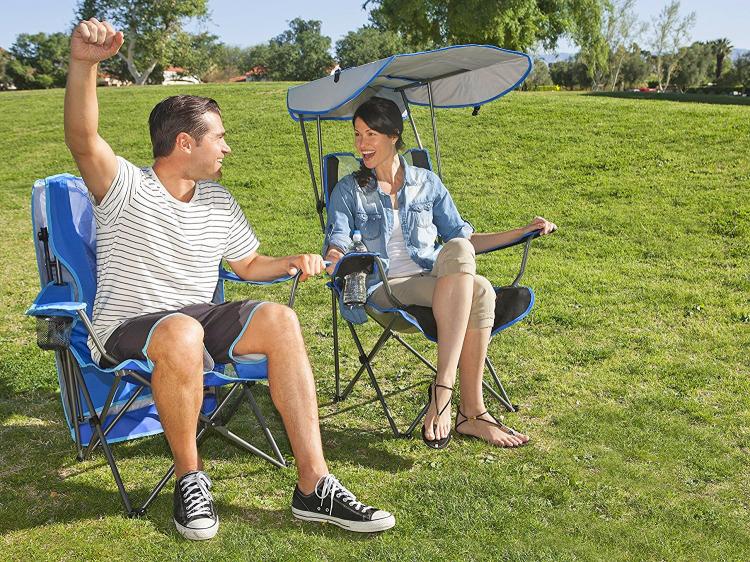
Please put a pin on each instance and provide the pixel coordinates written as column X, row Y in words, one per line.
column 631, row 371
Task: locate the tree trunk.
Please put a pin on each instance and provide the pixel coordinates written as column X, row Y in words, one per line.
column 138, row 77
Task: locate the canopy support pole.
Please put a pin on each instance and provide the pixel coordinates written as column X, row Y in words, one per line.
column 411, row 119
column 318, row 201
column 320, row 151
column 434, row 130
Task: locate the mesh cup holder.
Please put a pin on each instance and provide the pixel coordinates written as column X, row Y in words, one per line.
column 53, row 333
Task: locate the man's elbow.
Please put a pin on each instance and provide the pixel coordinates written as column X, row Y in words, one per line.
column 81, row 146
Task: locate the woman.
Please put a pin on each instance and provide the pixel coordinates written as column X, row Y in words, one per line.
column 400, row 210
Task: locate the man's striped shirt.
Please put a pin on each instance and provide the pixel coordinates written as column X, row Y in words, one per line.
column 154, row 252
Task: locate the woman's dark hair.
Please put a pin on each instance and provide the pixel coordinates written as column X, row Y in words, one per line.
column 175, row 115
column 383, row 116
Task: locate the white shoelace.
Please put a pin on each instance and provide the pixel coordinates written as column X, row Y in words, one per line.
column 196, row 494
column 330, row 485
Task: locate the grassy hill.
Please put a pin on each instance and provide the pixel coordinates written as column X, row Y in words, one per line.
column 631, row 372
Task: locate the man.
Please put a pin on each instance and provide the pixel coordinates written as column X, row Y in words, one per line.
column 161, row 234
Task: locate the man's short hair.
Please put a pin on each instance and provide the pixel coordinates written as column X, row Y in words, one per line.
column 175, row 115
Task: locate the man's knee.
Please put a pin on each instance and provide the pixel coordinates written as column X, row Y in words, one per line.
column 275, row 318
column 176, row 336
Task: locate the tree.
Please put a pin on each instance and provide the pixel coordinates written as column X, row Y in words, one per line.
column 696, row 66
column 570, row 74
column 540, row 76
column 367, row 44
column 198, row 54
column 722, row 48
column 635, row 67
column 152, row 28
column 5, row 80
column 620, row 28
column 740, row 73
column 39, row 60
column 299, row 53
column 517, row 24
column 670, row 32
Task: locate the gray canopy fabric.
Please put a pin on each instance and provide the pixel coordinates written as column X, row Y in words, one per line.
column 460, row 76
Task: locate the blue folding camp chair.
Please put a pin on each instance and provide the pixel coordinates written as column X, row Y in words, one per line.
column 460, row 76
column 104, row 406
column 512, row 303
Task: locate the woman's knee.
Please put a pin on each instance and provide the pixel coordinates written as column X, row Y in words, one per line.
column 483, row 300
column 456, row 256
column 460, row 247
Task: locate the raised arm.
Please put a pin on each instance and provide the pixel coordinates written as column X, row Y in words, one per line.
column 92, row 42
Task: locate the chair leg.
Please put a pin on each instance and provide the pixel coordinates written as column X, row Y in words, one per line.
column 262, row 421
column 336, row 368
column 71, row 397
column 96, row 424
column 503, row 396
column 364, row 359
column 94, row 442
column 209, row 423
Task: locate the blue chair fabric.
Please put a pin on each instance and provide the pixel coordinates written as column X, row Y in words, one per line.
column 112, row 403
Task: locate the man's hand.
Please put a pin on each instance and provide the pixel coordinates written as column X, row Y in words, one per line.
column 542, row 225
column 94, row 41
column 310, row 264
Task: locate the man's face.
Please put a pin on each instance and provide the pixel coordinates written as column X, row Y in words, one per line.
column 208, row 155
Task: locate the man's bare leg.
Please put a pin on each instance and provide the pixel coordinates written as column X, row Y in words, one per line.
column 275, row 332
column 471, row 369
column 176, row 349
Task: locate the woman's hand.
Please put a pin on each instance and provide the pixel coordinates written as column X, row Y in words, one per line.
column 542, row 225
column 333, row 255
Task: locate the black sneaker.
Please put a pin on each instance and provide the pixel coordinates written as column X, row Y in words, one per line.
column 194, row 513
column 333, row 503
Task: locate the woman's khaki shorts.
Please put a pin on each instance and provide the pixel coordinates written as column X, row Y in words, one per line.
column 456, row 256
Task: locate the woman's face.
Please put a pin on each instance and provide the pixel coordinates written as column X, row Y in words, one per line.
column 376, row 148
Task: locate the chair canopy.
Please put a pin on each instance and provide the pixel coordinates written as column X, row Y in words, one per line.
column 459, row 76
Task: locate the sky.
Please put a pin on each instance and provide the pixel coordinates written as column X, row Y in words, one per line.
column 246, row 23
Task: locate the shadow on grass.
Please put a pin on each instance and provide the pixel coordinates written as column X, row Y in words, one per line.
column 688, row 98
column 44, row 484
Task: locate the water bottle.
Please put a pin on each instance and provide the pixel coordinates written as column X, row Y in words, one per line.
column 355, row 283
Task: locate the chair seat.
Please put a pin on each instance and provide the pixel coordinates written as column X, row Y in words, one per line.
column 511, row 305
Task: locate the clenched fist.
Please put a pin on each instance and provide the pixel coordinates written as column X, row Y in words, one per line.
column 94, row 41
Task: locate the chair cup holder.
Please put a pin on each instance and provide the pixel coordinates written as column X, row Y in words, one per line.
column 53, row 332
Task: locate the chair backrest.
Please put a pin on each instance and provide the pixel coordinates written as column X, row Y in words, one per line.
column 62, row 217
column 61, row 206
column 338, row 164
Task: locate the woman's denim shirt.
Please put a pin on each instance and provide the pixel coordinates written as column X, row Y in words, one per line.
column 426, row 210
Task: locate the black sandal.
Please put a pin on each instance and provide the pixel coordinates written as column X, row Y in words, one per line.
column 478, row 417
column 437, row 443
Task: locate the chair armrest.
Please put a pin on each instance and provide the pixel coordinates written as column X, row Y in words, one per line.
column 225, row 275
column 56, row 300
column 354, row 261
column 520, row 240
column 362, row 261
column 65, row 309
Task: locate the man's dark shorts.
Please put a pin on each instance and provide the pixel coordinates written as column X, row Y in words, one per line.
column 223, row 325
